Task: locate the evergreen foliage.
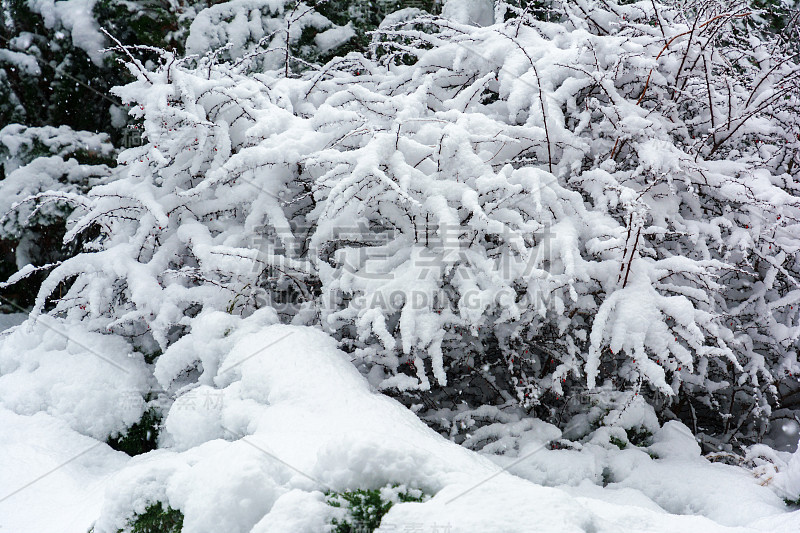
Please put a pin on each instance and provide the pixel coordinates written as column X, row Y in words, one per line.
column 364, row 509
column 141, row 437
column 46, row 80
column 156, row 519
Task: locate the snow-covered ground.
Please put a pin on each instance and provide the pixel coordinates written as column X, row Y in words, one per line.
column 285, row 417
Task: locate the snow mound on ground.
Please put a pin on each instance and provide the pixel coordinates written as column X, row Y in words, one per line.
column 283, row 417
column 787, row 480
column 293, row 419
column 45, row 367
column 52, row 478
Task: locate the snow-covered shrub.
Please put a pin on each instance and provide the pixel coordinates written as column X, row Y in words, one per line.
column 155, row 519
column 614, row 192
column 176, row 226
column 362, row 510
column 43, row 170
column 367, row 15
column 47, row 160
column 141, row 437
column 267, row 34
column 520, row 213
column 777, row 469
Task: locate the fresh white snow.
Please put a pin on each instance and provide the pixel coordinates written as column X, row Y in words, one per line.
column 287, row 417
column 502, row 131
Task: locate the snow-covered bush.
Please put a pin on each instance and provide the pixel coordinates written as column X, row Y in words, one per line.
column 621, row 189
column 47, row 159
column 362, row 510
column 267, row 34
column 510, row 215
column 156, row 519
column 43, row 170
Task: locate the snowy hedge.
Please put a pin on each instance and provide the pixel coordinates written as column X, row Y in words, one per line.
column 592, row 197
column 563, row 234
